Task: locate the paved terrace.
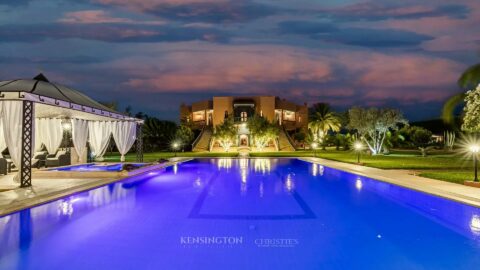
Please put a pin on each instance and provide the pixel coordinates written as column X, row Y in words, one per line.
column 44, row 190
column 406, row 178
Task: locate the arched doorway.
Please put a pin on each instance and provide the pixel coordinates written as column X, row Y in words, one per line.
column 243, row 140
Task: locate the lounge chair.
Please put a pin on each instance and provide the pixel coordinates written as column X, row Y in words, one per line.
column 62, row 158
column 39, row 159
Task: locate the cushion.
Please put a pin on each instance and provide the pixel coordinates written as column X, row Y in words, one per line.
column 60, row 153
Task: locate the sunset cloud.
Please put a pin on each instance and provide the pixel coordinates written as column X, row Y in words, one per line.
column 100, row 16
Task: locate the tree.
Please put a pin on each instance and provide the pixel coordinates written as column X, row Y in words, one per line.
column 158, row 133
column 322, row 120
column 421, row 138
column 471, row 121
column 262, row 131
column 225, row 134
column 184, row 135
column 372, row 124
column 469, row 78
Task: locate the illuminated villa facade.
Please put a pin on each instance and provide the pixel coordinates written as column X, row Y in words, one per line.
column 203, row 115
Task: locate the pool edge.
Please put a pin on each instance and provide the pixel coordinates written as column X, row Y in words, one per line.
column 417, row 183
column 52, row 196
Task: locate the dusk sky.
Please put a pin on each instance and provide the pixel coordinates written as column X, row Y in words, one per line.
column 156, row 54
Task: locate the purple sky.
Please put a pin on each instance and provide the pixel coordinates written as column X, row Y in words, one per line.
column 156, row 54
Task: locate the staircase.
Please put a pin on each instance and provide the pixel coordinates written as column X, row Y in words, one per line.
column 202, row 143
column 284, row 143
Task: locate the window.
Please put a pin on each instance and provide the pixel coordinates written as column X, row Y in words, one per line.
column 243, row 116
column 226, row 114
column 199, row 116
column 288, row 115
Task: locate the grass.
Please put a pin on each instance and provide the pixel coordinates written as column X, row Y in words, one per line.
column 154, row 156
column 396, row 160
column 454, row 176
column 438, row 165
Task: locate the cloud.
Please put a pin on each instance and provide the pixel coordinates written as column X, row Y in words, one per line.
column 14, row 3
column 374, row 11
column 212, row 11
column 306, row 27
column 292, row 72
column 100, row 16
column 401, row 71
column 80, row 59
column 222, row 68
column 109, row 33
column 375, row 37
column 353, row 36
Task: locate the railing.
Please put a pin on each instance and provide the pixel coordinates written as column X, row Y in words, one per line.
column 198, row 138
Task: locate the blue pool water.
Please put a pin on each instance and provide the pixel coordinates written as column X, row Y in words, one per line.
column 244, row 214
column 93, row 167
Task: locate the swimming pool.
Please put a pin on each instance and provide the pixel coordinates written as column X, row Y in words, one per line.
column 98, row 167
column 244, row 214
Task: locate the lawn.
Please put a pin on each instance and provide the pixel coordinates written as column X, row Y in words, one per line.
column 438, row 165
column 396, row 160
column 455, row 176
column 154, row 156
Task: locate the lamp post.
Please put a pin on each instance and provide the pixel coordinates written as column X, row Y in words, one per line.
column 175, row 147
column 475, row 149
column 314, row 147
column 358, row 146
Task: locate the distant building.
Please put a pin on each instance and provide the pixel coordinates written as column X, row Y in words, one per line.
column 212, row 112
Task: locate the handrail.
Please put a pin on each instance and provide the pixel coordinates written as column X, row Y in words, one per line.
column 198, row 137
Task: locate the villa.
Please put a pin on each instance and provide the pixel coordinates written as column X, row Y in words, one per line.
column 205, row 114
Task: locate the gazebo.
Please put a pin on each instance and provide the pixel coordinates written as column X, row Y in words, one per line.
column 33, row 112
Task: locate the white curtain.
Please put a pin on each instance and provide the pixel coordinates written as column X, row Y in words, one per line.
column 3, row 144
column 80, row 136
column 38, row 141
column 11, row 113
column 124, row 134
column 50, row 133
column 99, row 133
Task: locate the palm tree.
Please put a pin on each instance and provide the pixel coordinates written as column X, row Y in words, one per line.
column 323, row 120
column 469, row 78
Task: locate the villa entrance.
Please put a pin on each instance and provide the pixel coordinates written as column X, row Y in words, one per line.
column 243, row 140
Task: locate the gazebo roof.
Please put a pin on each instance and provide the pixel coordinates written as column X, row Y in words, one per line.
column 41, row 90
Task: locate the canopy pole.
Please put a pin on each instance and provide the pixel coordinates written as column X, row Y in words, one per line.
column 139, row 143
column 27, row 144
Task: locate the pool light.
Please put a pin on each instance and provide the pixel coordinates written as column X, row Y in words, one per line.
column 358, row 184
column 475, row 224
column 474, row 149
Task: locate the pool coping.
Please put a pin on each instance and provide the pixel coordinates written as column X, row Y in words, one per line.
column 55, row 195
column 455, row 192
column 54, row 173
